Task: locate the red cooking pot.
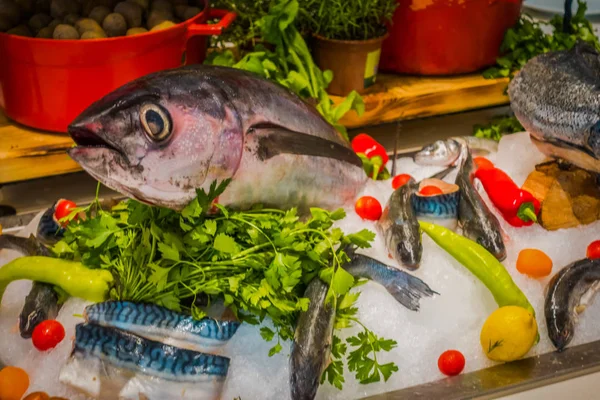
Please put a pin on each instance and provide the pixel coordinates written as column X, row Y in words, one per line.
column 46, row 83
column 443, row 37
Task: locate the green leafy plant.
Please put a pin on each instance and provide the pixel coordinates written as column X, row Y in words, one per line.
column 498, row 127
column 349, row 20
column 290, row 64
column 527, row 40
column 258, row 262
column 244, row 29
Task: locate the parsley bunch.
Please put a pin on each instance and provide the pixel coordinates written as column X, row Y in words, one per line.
column 258, row 262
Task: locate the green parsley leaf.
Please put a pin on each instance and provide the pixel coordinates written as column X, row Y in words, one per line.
column 225, row 244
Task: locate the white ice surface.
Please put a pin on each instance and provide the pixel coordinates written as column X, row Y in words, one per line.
column 450, row 321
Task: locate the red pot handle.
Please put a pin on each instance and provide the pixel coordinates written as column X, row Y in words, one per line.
column 227, row 17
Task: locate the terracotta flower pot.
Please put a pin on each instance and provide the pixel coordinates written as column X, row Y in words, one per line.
column 443, row 37
column 354, row 63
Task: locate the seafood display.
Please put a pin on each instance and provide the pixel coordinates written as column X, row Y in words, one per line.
column 251, row 221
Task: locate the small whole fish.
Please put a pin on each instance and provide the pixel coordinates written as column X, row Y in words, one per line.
column 556, row 97
column 474, row 217
column 49, row 230
column 446, row 152
column 312, row 342
column 108, row 363
column 400, row 228
column 159, row 138
column 161, row 324
column 405, row 288
column 42, row 302
column 569, row 292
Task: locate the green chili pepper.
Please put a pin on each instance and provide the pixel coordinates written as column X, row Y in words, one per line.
column 71, row 276
column 482, row 264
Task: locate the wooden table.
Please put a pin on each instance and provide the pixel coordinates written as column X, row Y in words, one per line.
column 27, row 153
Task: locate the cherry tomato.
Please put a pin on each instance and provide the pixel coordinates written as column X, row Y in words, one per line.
column 400, row 180
column 593, row 250
column 37, row 396
column 534, row 262
column 482, row 162
column 430, row 190
column 451, row 362
column 13, row 383
column 368, row 207
column 48, row 334
column 64, row 208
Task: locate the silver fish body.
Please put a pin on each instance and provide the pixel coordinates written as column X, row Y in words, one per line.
column 108, row 363
column 568, row 292
column 405, row 288
column 42, row 302
column 159, row 138
column 311, row 347
column 478, row 223
column 163, row 325
column 556, row 97
column 446, row 152
column 400, row 228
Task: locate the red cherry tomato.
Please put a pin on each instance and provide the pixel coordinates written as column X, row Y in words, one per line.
column 400, row 180
column 64, row 208
column 368, row 207
column 451, row 362
column 430, row 190
column 482, row 162
column 47, row 335
column 593, row 250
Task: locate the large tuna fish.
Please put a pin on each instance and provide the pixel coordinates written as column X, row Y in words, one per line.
column 159, row 138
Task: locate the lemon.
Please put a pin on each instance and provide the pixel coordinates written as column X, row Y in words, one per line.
column 508, row 333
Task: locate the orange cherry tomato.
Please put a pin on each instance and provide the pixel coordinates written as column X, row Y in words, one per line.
column 368, row 207
column 451, row 362
column 400, row 180
column 14, row 382
column 482, row 162
column 534, row 263
column 37, row 396
column 430, row 190
column 593, row 250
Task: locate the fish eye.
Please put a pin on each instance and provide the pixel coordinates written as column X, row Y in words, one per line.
column 156, row 122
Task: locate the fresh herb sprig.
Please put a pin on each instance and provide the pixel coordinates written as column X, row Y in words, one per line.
column 290, row 64
column 258, row 262
column 364, row 347
column 498, row 127
column 527, row 40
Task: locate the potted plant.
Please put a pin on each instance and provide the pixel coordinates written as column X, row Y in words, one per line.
column 347, row 39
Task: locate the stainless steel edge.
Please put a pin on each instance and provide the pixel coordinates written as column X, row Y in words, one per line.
column 509, row 378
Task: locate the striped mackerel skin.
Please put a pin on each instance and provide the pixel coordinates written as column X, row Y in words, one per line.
column 440, row 206
column 155, row 322
column 132, row 352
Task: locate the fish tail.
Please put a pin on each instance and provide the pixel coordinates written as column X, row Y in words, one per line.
column 404, row 287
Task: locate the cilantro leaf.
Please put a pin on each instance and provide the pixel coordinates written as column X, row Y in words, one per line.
column 168, row 252
column 267, row 333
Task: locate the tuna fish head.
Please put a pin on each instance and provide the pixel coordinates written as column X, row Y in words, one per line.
column 159, row 138
column 556, row 97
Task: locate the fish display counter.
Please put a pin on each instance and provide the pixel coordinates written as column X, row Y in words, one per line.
column 252, row 250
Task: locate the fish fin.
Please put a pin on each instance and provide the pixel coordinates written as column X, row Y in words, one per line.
column 275, row 140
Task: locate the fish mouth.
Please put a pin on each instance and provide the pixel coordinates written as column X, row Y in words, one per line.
column 86, row 138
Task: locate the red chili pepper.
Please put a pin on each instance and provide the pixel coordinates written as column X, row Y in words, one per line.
column 518, row 207
column 365, row 144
